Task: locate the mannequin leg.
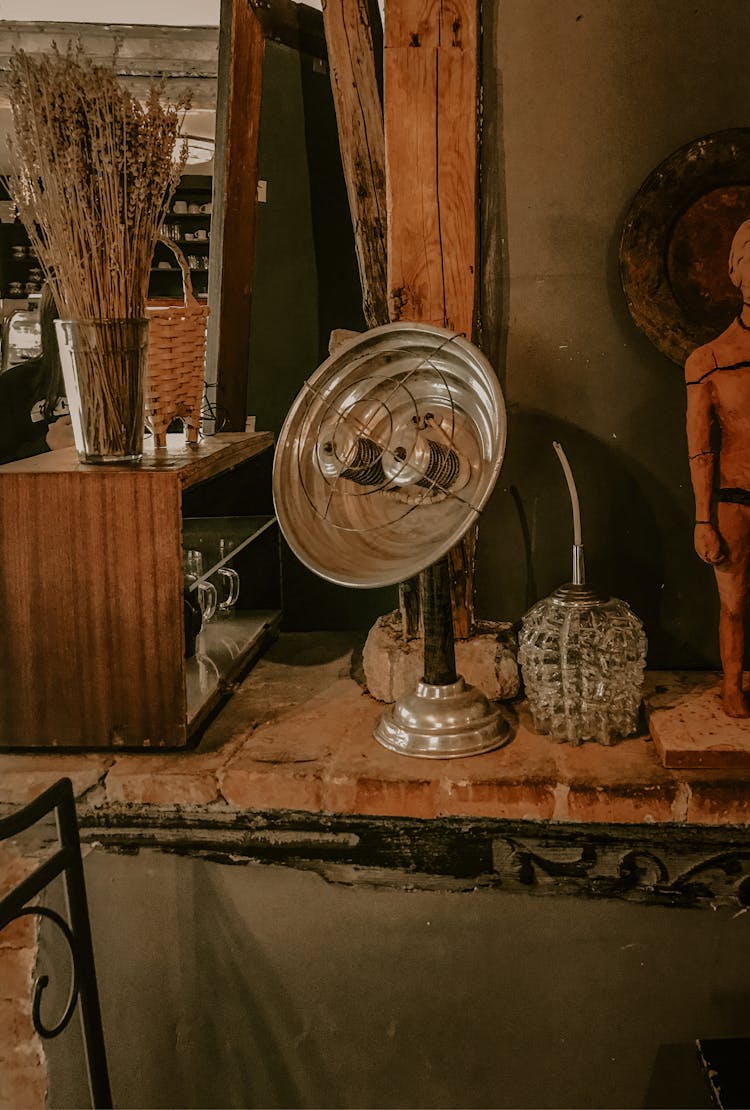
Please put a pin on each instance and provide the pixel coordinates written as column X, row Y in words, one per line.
column 734, row 597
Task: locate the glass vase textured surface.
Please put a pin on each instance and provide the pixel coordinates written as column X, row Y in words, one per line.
column 104, row 369
column 582, row 656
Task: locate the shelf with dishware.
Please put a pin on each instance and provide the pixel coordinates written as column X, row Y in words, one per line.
column 188, row 225
column 117, row 655
column 224, row 560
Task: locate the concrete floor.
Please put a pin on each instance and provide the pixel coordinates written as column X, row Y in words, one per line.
column 259, row 986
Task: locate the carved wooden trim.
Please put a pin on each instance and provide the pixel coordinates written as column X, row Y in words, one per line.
column 694, row 866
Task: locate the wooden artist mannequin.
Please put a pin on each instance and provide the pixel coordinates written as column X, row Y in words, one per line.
column 718, row 432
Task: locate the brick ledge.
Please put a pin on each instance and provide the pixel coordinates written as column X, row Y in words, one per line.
column 297, row 735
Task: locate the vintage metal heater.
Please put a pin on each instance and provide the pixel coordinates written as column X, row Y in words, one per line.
column 385, row 460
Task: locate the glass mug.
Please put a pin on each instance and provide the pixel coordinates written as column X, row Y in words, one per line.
column 193, row 568
column 230, row 580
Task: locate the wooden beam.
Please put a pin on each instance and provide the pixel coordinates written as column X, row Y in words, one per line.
column 185, row 57
column 359, row 118
column 235, row 207
column 430, row 109
column 430, row 79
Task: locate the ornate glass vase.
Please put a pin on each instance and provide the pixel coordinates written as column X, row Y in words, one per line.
column 582, row 656
column 104, row 369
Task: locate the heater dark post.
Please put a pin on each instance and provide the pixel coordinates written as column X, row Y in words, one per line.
column 439, row 649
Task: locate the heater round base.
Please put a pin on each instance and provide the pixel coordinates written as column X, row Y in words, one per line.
column 442, row 722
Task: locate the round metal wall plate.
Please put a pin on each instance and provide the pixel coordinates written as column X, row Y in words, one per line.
column 675, row 243
column 388, row 454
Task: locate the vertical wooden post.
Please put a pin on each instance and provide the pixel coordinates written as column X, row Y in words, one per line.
column 241, row 50
column 430, row 110
column 359, row 118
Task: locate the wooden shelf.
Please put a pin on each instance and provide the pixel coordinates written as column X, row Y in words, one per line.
column 221, row 539
column 191, row 463
column 91, row 579
column 225, row 648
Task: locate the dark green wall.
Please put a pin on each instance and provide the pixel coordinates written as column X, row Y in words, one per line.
column 583, row 98
column 306, row 285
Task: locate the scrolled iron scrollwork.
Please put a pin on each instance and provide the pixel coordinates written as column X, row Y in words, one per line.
column 48, row 1032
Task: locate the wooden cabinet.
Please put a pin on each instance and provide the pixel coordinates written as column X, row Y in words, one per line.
column 92, row 651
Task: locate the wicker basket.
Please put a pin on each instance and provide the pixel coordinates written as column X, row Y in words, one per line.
column 176, row 360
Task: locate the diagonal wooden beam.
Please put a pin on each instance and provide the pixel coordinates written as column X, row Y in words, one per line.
column 359, row 119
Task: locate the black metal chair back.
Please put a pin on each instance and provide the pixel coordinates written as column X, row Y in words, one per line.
column 65, row 861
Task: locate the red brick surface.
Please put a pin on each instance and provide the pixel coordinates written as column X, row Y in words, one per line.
column 298, row 735
column 23, row 777
column 23, row 1069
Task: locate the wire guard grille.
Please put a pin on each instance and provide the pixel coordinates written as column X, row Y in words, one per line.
column 388, row 454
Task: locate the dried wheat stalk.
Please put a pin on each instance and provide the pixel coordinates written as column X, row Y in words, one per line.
column 93, row 174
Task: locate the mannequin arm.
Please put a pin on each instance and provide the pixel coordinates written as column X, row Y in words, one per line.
column 700, row 417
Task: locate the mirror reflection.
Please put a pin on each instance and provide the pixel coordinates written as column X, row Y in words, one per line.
column 183, row 52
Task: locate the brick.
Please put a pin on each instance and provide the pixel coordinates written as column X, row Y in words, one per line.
column 258, row 787
column 14, row 867
column 176, row 787
column 523, row 801
column 19, row 1043
column 617, row 783
column 630, row 763
column 363, row 777
column 632, row 804
column 19, row 934
column 23, row 1086
column 719, row 802
column 24, row 777
column 395, row 797
column 16, row 972
column 183, row 778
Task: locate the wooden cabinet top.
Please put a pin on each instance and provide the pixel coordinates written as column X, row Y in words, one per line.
column 187, row 463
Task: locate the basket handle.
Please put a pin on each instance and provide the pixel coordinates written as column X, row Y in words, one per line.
column 187, row 285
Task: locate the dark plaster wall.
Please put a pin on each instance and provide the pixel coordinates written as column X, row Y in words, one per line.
column 262, row 986
column 591, row 96
column 583, row 98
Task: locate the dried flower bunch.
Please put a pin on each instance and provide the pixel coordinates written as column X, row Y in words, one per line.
column 94, row 170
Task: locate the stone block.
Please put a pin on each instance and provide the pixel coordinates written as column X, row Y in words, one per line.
column 393, row 666
column 690, row 728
